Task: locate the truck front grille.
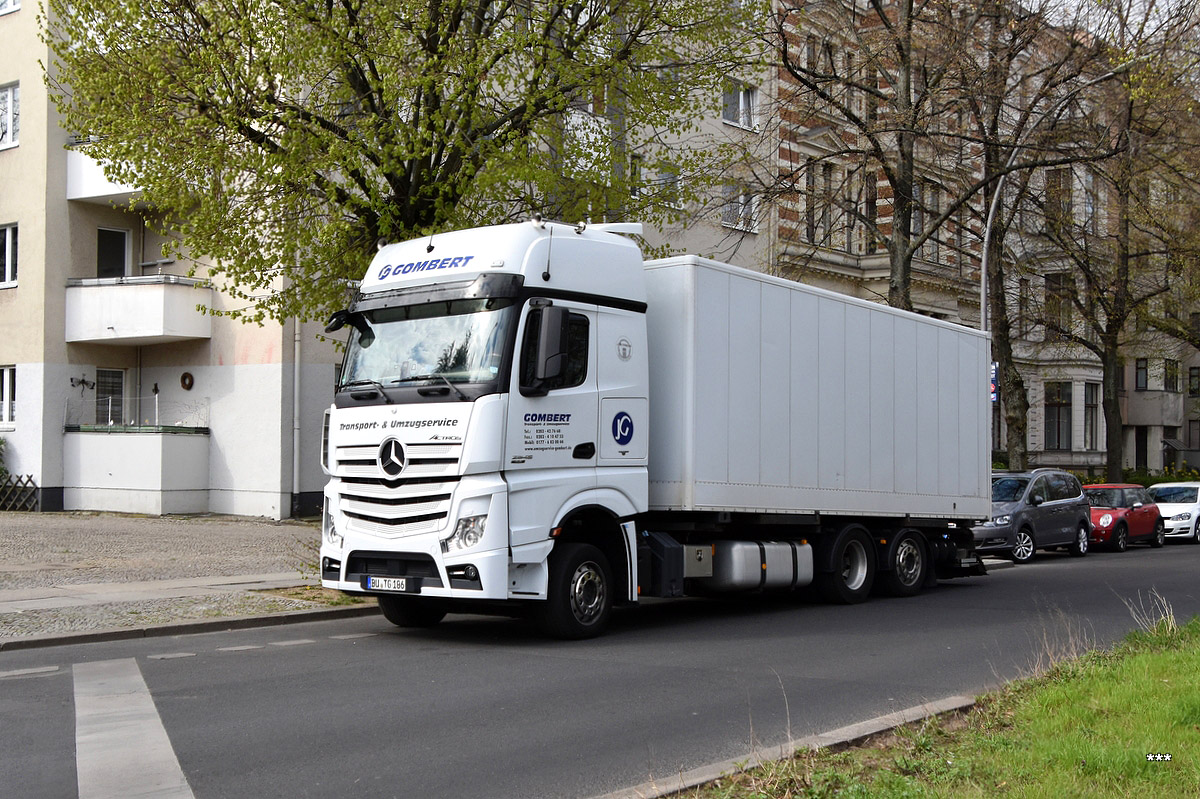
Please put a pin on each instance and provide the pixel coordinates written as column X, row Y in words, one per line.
column 417, row 501
column 393, row 564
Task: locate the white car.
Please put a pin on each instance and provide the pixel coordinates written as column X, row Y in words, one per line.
column 1179, row 504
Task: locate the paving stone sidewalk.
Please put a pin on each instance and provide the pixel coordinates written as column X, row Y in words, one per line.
column 63, row 573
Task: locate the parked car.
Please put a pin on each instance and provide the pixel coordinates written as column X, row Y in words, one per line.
column 1179, row 504
column 1036, row 509
column 1123, row 513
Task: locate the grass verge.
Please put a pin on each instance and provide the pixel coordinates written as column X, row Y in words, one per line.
column 315, row 593
column 1100, row 725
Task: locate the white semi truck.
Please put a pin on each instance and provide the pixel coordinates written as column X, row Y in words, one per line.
column 532, row 419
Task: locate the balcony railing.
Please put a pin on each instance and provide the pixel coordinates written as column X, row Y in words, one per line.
column 150, row 414
column 149, row 309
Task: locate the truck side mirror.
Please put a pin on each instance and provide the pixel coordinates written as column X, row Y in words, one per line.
column 552, row 344
column 337, row 321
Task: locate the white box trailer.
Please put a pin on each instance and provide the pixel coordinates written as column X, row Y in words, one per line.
column 770, row 396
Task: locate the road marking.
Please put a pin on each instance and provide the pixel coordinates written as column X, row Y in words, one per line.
column 297, row 642
column 121, row 746
column 237, row 648
column 352, row 636
column 28, row 672
column 172, row 656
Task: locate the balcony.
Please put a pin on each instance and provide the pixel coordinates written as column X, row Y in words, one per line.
column 86, row 181
column 1153, row 408
column 137, row 311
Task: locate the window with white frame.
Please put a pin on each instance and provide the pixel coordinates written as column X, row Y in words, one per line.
column 738, row 211
column 9, row 5
column 8, row 394
column 8, row 256
column 738, row 103
column 10, row 115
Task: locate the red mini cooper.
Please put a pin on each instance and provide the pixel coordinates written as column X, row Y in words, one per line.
column 1123, row 513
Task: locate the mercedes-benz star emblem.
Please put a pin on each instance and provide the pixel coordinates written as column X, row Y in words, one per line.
column 391, row 457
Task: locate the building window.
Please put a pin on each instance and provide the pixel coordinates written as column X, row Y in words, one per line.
column 110, row 396
column 112, row 252
column 1058, row 198
column 1141, row 374
column 1091, row 416
column 1194, row 381
column 8, row 394
column 738, row 211
column 739, row 102
column 10, row 115
column 9, row 5
column 1058, row 416
column 1060, row 288
column 1193, row 433
column 1170, row 375
column 8, row 255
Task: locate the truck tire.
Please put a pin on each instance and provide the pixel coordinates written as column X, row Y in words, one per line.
column 579, row 595
column 405, row 611
column 909, row 565
column 852, row 556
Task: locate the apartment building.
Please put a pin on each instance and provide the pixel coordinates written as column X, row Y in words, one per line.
column 119, row 391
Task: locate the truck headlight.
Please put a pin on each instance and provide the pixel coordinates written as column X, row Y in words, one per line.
column 332, row 536
column 1000, row 521
column 1105, row 520
column 468, row 533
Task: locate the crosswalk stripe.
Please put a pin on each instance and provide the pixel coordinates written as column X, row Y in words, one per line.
column 121, row 746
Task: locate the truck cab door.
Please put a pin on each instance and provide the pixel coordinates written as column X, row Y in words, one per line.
column 550, row 439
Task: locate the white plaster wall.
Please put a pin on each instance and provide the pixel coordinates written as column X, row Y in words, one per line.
column 136, row 472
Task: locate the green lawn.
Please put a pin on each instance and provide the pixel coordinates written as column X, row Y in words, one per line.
column 1102, row 725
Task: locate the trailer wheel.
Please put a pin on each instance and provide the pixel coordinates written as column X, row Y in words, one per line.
column 909, row 565
column 404, row 611
column 852, row 556
column 579, row 595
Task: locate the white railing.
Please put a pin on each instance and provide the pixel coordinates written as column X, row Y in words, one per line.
column 151, row 413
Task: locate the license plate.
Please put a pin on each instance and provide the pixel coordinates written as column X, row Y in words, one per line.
column 396, row 584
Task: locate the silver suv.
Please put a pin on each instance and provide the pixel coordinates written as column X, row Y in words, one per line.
column 1032, row 510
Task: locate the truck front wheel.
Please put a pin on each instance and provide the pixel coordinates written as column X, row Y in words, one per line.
column 405, row 611
column 852, row 557
column 579, row 595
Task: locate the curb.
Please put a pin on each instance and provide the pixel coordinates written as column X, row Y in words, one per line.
column 188, row 627
column 842, row 736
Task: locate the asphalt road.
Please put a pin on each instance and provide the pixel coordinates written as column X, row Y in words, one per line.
column 484, row 707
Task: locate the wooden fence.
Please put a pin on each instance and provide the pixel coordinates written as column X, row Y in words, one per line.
column 18, row 492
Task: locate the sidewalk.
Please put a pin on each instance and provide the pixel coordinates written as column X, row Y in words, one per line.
column 76, row 576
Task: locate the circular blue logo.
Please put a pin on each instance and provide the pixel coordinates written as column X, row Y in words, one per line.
column 622, row 428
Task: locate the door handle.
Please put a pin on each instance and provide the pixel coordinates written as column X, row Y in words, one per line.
column 584, row 451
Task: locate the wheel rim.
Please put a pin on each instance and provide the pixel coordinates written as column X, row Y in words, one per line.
column 1083, row 541
column 1023, row 549
column 1122, row 539
column 908, row 562
column 854, row 565
column 588, row 593
column 1160, row 533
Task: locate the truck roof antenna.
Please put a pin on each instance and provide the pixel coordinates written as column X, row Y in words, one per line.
column 549, row 250
column 429, row 247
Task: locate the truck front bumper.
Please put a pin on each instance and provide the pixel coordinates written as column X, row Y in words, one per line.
column 362, row 559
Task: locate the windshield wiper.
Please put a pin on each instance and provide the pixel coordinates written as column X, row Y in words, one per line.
column 371, row 383
column 452, row 387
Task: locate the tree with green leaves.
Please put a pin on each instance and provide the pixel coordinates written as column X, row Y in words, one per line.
column 281, row 140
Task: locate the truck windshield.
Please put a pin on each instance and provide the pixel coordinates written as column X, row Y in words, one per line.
column 456, row 341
